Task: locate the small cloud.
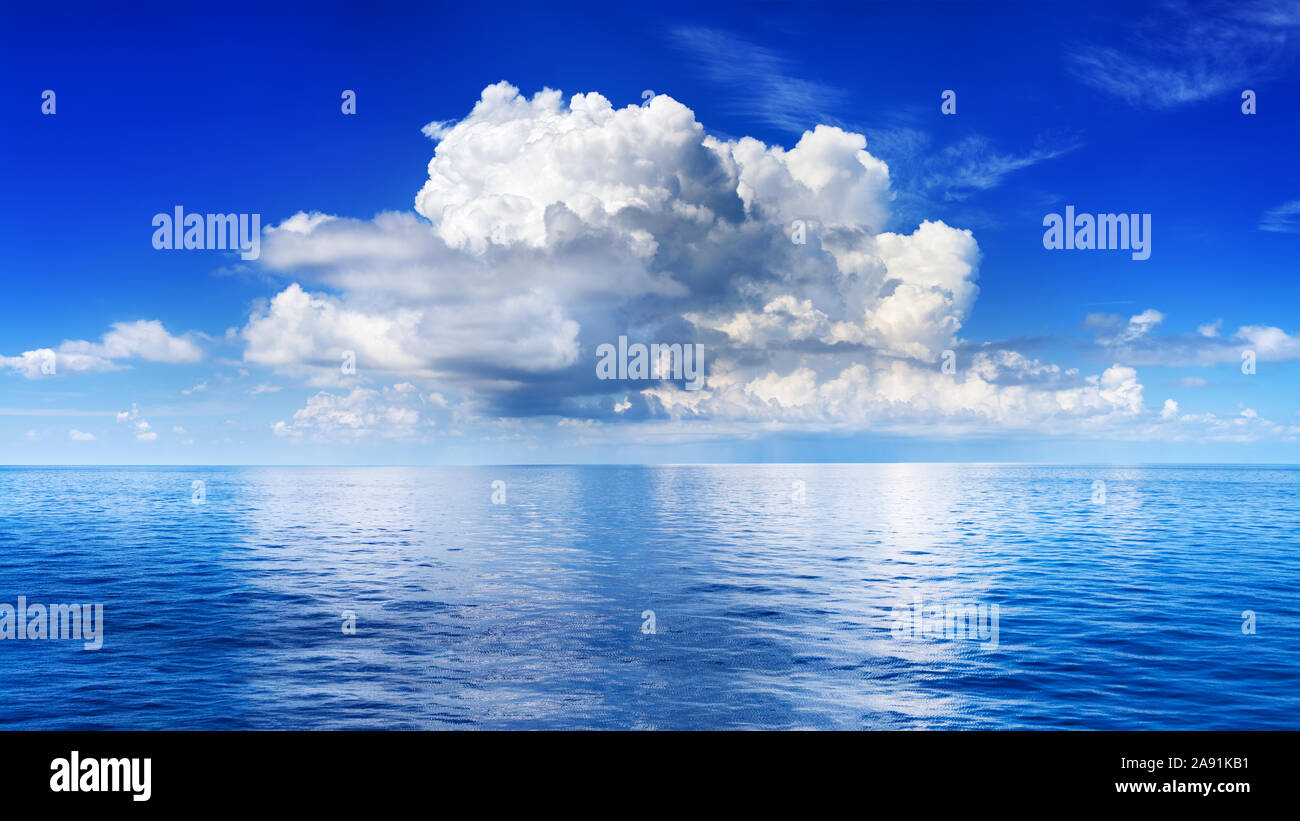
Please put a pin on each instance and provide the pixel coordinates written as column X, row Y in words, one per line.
column 390, row 413
column 1210, row 329
column 437, row 129
column 142, row 427
column 130, row 415
column 264, row 388
column 1284, row 219
column 125, row 341
column 1193, row 382
column 79, row 436
column 1112, row 329
column 202, row 386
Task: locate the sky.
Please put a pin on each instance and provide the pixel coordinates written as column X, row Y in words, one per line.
column 842, row 207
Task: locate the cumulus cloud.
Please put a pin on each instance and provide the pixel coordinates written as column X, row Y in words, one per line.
column 1133, row 339
column 303, row 332
column 390, row 413
column 142, row 339
column 551, row 219
column 143, row 430
column 904, row 397
column 547, row 227
column 1246, row 426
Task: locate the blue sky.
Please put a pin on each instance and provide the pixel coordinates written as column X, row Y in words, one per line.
column 475, row 291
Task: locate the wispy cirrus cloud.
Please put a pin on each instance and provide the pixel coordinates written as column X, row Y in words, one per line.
column 973, row 164
column 763, row 84
column 926, row 176
column 1285, row 218
column 760, row 81
column 1191, row 52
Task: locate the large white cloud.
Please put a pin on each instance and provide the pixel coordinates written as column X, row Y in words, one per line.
column 547, row 227
column 142, row 339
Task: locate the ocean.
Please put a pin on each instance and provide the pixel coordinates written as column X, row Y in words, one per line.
column 643, row 597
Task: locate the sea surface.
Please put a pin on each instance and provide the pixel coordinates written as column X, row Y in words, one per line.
column 772, row 593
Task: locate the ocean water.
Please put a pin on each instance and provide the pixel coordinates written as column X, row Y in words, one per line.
column 774, row 591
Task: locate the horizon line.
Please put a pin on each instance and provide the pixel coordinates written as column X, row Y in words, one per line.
column 653, row 464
